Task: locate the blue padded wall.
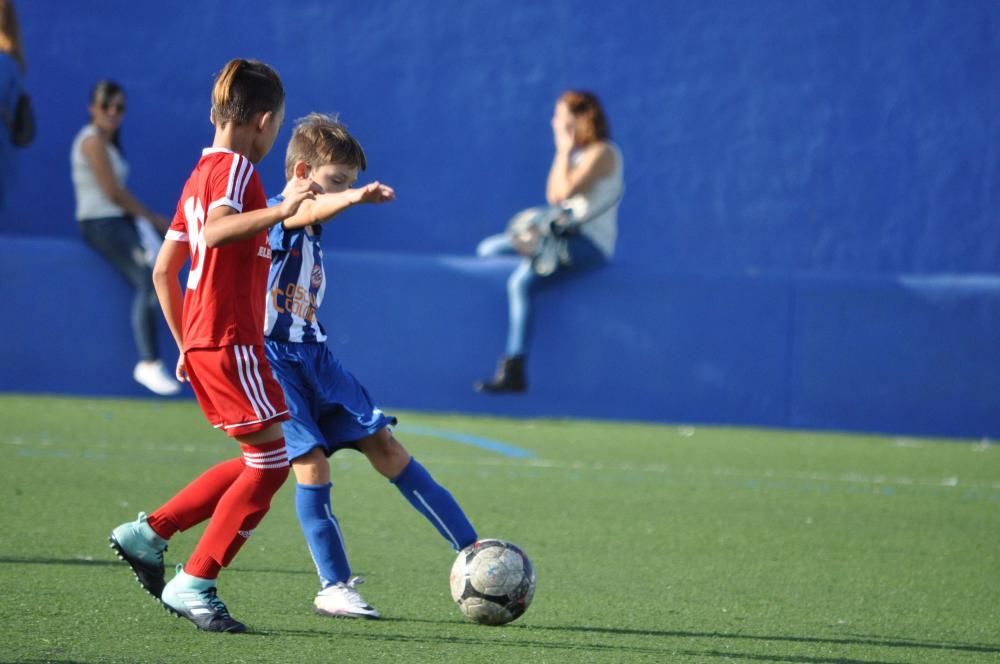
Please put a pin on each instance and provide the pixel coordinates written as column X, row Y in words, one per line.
column 67, row 324
column 903, row 355
column 808, row 236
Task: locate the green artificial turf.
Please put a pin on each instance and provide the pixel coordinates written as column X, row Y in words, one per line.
column 651, row 543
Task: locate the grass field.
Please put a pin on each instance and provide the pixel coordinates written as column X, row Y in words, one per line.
column 651, row 544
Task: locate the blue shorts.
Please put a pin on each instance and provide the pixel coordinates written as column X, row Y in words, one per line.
column 330, row 409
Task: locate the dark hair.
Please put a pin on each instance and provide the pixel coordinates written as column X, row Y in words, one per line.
column 101, row 94
column 244, row 88
column 587, row 107
column 320, row 139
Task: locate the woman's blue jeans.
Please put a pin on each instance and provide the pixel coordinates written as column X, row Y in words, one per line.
column 117, row 240
column 524, row 280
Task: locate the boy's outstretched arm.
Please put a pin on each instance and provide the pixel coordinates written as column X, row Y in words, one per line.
column 225, row 225
column 327, row 206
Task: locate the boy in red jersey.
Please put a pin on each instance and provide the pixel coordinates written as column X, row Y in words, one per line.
column 221, row 225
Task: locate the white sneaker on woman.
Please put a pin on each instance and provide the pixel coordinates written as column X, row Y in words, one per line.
column 152, row 375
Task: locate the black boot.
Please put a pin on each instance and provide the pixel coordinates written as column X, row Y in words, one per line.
column 509, row 377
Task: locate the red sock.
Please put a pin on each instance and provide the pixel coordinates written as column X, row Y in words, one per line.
column 240, row 509
column 195, row 502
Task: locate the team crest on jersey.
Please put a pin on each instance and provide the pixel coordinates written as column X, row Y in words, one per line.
column 316, row 278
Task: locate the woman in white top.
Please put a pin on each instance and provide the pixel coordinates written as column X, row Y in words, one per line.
column 585, row 186
column 107, row 212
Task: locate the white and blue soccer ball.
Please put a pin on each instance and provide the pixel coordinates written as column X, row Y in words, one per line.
column 492, row 581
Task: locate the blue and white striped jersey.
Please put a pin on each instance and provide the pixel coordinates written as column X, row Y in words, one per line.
column 296, row 284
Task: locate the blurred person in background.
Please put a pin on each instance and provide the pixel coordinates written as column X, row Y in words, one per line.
column 108, row 212
column 12, row 68
column 575, row 232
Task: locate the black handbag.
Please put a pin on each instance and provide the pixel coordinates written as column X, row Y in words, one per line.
column 22, row 123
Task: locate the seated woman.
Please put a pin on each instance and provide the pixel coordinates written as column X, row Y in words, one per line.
column 585, row 181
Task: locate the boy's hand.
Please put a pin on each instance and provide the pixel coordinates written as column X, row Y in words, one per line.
column 181, row 371
column 299, row 189
column 374, row 192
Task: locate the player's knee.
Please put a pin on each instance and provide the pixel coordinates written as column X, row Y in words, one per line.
column 273, row 478
column 267, row 465
column 386, row 454
column 311, row 468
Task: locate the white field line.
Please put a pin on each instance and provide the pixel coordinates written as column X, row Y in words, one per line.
column 89, row 451
column 745, row 473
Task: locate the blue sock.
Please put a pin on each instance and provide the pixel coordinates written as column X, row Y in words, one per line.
column 436, row 504
column 322, row 531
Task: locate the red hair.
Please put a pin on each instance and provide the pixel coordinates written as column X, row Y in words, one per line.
column 591, row 121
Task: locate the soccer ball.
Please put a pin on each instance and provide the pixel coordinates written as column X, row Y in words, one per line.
column 492, row 581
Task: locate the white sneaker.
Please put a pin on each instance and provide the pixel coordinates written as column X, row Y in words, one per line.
column 344, row 601
column 151, row 375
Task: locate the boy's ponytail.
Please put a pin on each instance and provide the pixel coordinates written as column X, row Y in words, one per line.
column 224, row 83
column 244, row 88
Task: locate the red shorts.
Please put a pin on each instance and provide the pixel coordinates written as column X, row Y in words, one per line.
column 235, row 388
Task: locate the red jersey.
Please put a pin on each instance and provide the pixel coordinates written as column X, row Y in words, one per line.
column 227, row 286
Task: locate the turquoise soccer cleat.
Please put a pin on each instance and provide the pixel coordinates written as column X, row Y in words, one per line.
column 137, row 544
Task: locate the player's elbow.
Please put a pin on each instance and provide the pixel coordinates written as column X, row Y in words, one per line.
column 164, row 271
column 161, row 277
column 214, row 240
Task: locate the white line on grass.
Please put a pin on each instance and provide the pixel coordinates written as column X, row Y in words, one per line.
column 96, row 451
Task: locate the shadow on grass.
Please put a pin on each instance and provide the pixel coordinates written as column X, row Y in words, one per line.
column 855, row 640
column 613, row 651
column 526, row 630
column 59, row 561
column 112, row 561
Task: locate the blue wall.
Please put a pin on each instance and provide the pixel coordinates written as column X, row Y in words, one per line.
column 910, row 355
column 772, row 135
column 808, row 238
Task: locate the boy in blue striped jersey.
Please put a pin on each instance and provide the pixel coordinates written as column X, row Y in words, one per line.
column 330, row 409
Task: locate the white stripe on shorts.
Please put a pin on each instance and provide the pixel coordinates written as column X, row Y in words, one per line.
column 253, row 384
column 246, row 424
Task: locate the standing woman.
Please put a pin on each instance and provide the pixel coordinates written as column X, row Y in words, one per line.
column 107, row 213
column 585, row 182
column 11, row 88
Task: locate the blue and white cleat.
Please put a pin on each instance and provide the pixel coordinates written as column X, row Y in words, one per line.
column 342, row 600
